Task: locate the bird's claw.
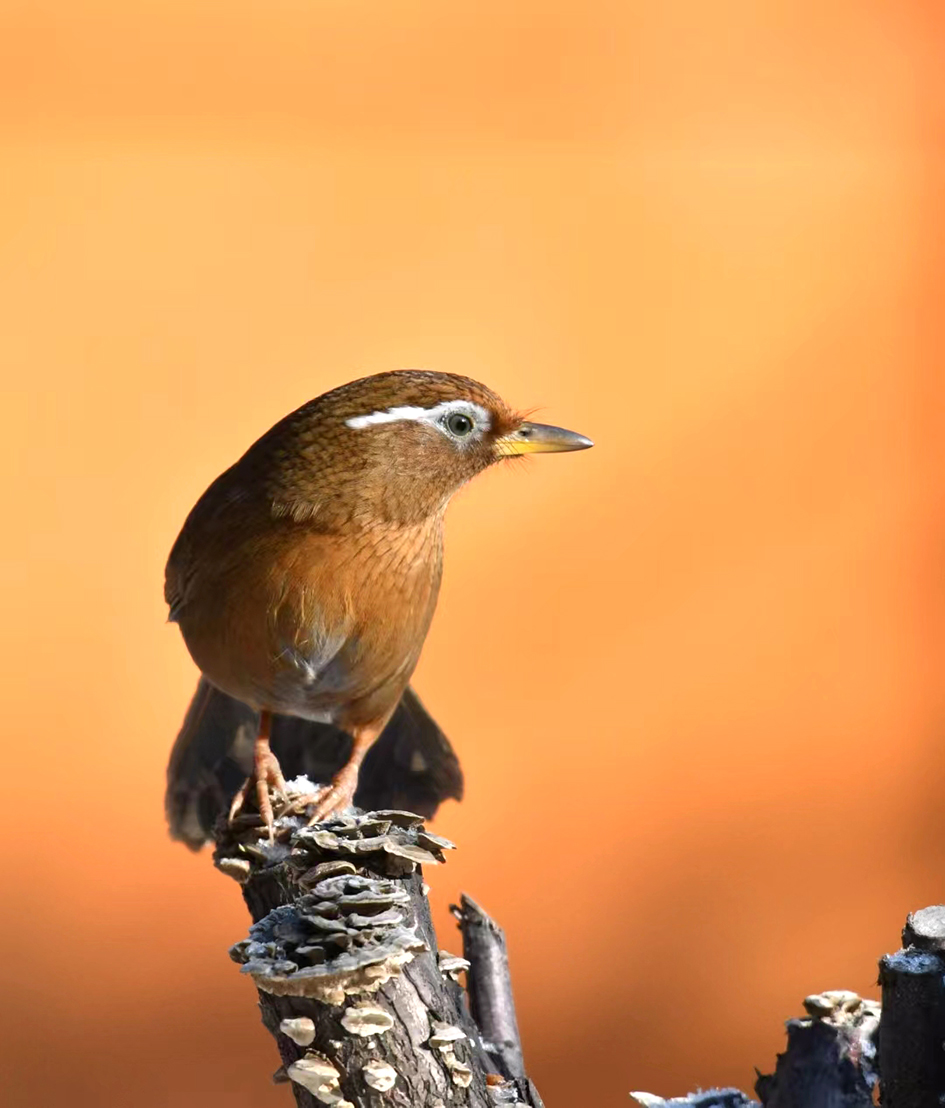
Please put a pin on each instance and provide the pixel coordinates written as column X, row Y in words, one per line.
column 338, row 796
column 266, row 773
column 327, row 801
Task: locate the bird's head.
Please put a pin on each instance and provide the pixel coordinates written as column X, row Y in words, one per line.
column 396, row 446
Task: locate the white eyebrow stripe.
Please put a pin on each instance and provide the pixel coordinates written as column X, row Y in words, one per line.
column 391, row 415
column 433, row 415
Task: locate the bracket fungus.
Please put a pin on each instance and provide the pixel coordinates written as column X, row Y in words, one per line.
column 320, row 1078
column 366, row 1019
column 444, row 1035
column 451, row 965
column 460, row 1073
column 237, row 868
column 394, row 842
column 379, row 1076
column 349, row 932
column 301, row 1031
column 444, row 1039
column 391, row 842
column 347, row 935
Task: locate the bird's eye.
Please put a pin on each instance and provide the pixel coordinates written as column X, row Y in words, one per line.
column 459, row 425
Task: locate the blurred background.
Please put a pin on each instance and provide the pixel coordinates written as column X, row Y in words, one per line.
column 695, row 675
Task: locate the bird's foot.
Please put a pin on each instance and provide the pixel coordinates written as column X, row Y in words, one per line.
column 338, row 796
column 266, row 773
column 300, row 795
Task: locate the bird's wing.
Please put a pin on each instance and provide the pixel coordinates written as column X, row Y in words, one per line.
column 411, row 766
column 208, row 529
column 175, row 581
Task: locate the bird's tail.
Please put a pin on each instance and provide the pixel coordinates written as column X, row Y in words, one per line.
column 411, row 766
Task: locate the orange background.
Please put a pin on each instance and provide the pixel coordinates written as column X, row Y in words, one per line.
column 695, row 675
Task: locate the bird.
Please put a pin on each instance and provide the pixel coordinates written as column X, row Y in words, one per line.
column 305, row 578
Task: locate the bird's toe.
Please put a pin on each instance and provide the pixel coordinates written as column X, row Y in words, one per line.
column 336, row 798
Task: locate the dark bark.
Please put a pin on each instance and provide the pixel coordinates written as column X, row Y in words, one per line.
column 912, row 1028
column 343, row 945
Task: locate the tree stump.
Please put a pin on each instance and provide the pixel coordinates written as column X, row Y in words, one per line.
column 365, row 1010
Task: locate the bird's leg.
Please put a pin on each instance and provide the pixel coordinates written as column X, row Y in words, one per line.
column 266, row 772
column 340, row 793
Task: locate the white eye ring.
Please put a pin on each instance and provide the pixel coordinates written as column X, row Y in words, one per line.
column 459, row 424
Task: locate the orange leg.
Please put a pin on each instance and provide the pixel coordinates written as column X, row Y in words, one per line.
column 340, row 792
column 266, row 772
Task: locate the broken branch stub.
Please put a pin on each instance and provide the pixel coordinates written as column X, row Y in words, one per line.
column 912, row 1026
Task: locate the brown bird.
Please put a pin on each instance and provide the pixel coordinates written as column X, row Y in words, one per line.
column 304, row 579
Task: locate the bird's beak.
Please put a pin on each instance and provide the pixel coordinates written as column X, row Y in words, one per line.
column 539, row 438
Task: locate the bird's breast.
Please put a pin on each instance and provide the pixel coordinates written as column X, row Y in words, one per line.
column 326, row 627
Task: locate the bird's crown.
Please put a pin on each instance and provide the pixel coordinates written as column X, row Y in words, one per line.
column 390, row 448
